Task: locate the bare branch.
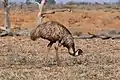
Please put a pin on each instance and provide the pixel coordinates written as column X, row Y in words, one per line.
column 40, row 6
column 54, row 11
column 48, row 12
column 9, row 6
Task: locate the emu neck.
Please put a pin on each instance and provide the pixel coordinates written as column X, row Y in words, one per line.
column 71, row 51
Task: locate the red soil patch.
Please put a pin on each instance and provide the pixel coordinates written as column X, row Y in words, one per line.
column 82, row 21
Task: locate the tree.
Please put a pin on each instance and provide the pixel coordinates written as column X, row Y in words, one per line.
column 51, row 2
column 48, row 1
column 38, row 1
column 40, row 5
column 119, row 2
column 7, row 25
column 28, row 2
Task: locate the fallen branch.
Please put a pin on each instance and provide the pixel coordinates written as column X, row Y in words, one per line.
column 54, row 11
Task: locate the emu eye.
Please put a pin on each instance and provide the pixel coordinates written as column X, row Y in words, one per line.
column 80, row 51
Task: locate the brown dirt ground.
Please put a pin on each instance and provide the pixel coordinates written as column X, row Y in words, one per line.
column 24, row 59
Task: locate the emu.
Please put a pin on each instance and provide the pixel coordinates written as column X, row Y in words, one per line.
column 57, row 33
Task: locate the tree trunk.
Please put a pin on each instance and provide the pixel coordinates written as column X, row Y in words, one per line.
column 7, row 20
column 7, row 25
column 39, row 14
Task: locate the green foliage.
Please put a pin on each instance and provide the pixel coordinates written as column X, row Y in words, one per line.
column 51, row 2
column 28, row 2
column 38, row 1
column 48, row 1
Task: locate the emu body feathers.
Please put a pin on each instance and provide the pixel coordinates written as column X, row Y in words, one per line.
column 56, row 32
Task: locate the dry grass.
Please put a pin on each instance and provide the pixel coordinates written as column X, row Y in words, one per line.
column 23, row 59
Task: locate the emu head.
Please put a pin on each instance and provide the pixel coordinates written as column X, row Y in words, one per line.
column 78, row 52
column 74, row 53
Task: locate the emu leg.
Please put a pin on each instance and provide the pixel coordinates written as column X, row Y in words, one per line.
column 49, row 46
column 48, row 49
column 57, row 55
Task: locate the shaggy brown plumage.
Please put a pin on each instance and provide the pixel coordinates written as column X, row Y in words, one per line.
column 56, row 32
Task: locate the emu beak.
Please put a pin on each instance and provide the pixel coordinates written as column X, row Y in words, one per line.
column 78, row 52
